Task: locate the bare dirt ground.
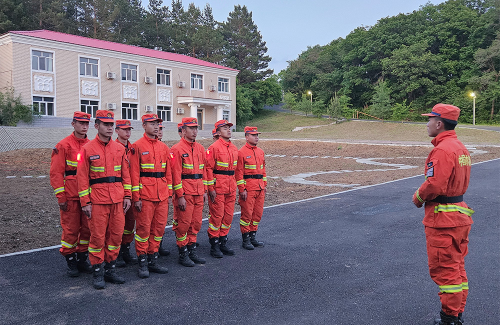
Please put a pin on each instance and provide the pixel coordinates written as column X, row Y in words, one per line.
column 296, row 170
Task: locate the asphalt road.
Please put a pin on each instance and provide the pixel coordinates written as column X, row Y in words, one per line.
column 357, row 257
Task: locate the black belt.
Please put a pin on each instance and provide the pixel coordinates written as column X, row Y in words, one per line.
column 224, row 172
column 70, row 172
column 448, row 199
column 257, row 176
column 110, row 179
column 191, row 176
column 153, row 174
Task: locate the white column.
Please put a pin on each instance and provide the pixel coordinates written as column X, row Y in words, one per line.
column 194, row 110
column 219, row 112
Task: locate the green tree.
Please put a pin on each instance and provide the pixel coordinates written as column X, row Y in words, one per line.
column 12, row 109
column 243, row 104
column 382, row 101
column 245, row 49
column 289, row 100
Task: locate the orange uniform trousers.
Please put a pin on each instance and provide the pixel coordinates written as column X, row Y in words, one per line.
column 75, row 229
column 151, row 222
column 251, row 210
column 128, row 231
column 106, row 230
column 187, row 223
column 446, row 249
column 221, row 214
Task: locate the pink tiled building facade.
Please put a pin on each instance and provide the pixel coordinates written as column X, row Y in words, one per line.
column 59, row 73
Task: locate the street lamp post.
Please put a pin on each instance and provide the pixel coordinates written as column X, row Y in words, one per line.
column 473, row 95
column 311, row 94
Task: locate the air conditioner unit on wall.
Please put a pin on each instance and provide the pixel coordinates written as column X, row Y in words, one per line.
column 110, row 75
column 111, row 105
column 180, row 110
column 213, row 88
column 148, row 80
column 148, row 108
column 181, row 84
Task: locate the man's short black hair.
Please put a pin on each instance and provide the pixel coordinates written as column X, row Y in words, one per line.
column 97, row 121
column 448, row 124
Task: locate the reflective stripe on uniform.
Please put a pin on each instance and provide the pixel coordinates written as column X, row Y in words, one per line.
column 183, row 238
column 72, row 163
column 205, row 182
column 84, row 242
column 222, row 164
column 174, row 223
column 97, row 169
column 163, row 165
column 169, row 186
column 235, row 163
column 177, row 187
column 158, row 238
column 67, row 245
column 243, row 223
column 255, row 223
column 451, row 288
column 140, row 239
column 201, row 166
column 453, row 208
column 418, row 197
column 127, row 186
column 240, row 182
column 148, row 166
column 135, row 188
column 261, row 166
column 59, row 190
column 84, row 192
column 223, row 226
column 113, row 248
column 187, row 166
column 250, row 166
column 94, row 250
column 264, row 179
column 465, row 285
column 128, row 232
column 212, row 227
column 118, row 168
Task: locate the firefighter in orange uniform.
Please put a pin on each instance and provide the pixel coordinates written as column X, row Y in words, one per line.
column 124, row 130
column 104, row 188
column 447, row 218
column 252, row 181
column 190, row 187
column 75, row 230
column 151, row 189
column 222, row 158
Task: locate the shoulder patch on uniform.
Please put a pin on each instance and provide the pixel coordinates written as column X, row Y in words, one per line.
column 185, row 155
column 145, row 153
column 94, row 157
column 430, row 172
column 429, row 164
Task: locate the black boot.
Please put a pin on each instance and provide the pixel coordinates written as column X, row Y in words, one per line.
column 254, row 241
column 98, row 275
column 446, row 319
column 153, row 266
column 128, row 258
column 119, row 260
column 215, row 248
column 223, row 246
column 460, row 319
column 246, row 241
column 184, row 258
column 143, row 271
column 110, row 273
column 162, row 250
column 83, row 262
column 193, row 256
column 72, row 263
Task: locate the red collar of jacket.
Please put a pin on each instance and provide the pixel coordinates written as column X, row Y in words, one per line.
column 443, row 136
column 149, row 139
column 224, row 142
column 78, row 139
column 187, row 142
column 125, row 145
column 100, row 141
column 249, row 146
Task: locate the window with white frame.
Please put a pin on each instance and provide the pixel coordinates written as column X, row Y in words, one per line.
column 89, row 67
column 129, row 72
column 129, row 111
column 43, row 105
column 165, row 113
column 225, row 114
column 196, row 81
column 163, row 77
column 223, row 84
column 89, row 106
column 42, row 61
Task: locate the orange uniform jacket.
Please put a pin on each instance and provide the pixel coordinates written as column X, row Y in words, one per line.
column 221, row 156
column 65, row 157
column 188, row 158
column 447, row 173
column 101, row 160
column 251, row 169
column 150, row 170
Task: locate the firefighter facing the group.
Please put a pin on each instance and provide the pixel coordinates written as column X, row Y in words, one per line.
column 124, row 130
column 190, row 187
column 252, row 181
column 151, row 189
column 222, row 158
column 75, row 230
column 104, row 188
column 447, row 218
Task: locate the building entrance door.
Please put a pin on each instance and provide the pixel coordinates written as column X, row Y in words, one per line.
column 199, row 116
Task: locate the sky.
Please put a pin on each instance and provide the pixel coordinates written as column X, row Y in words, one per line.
column 289, row 27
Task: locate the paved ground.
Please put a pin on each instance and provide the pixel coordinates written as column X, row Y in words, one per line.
column 357, row 257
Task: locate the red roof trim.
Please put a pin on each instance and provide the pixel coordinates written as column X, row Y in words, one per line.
column 112, row 46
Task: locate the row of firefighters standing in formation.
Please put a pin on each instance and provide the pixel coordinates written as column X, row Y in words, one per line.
column 107, row 188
